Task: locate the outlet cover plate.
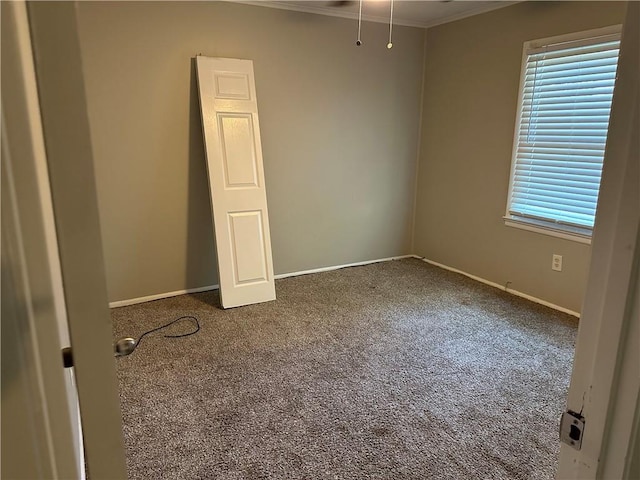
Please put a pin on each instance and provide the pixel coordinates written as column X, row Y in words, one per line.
column 556, row 263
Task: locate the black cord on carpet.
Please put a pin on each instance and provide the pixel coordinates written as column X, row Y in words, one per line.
column 190, row 317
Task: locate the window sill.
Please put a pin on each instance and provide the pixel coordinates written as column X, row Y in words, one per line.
column 576, row 234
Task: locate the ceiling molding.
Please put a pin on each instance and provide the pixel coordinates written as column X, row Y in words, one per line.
column 330, row 12
column 471, row 13
column 333, row 12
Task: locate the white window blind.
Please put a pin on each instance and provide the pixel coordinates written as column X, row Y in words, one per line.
column 561, row 132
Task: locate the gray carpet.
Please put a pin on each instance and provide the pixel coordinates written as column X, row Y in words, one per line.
column 397, row 370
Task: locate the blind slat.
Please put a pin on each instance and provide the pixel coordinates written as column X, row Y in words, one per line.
column 536, row 155
column 568, row 208
column 547, row 92
column 547, row 131
column 585, row 68
column 550, row 167
column 546, row 66
column 600, row 101
column 581, row 196
column 575, row 83
column 562, row 147
column 563, row 122
column 578, row 184
column 544, row 178
column 555, row 216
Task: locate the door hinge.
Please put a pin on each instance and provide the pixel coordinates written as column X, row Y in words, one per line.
column 572, row 429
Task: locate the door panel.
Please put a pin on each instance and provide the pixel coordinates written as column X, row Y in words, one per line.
column 238, row 150
column 236, row 180
column 247, row 237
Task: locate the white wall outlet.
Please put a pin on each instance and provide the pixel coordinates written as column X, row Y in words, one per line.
column 556, row 263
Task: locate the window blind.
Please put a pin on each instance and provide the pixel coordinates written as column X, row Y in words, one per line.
column 566, row 96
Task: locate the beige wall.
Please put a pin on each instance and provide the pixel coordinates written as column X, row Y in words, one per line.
column 472, row 70
column 339, row 133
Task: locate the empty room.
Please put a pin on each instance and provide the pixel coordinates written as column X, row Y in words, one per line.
column 337, row 240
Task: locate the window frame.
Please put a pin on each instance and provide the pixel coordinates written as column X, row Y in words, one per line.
column 547, row 227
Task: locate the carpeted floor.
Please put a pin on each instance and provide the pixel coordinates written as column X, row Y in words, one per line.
column 397, row 370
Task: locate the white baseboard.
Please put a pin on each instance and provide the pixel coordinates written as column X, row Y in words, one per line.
column 149, row 298
column 158, row 296
column 501, row 287
column 337, row 267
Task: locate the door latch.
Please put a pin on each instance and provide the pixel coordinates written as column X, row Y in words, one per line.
column 67, row 357
column 572, row 429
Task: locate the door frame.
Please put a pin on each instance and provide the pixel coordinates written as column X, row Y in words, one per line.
column 601, row 355
column 604, row 320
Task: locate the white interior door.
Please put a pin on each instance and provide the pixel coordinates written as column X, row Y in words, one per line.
column 41, row 435
column 60, row 96
column 236, row 180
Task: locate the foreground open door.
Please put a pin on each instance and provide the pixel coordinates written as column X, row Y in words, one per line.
column 39, row 408
column 54, row 103
column 236, row 180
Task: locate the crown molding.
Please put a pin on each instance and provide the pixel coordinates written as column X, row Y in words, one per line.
column 470, row 13
column 332, row 12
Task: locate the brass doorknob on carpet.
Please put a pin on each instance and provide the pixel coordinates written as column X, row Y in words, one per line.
column 124, row 346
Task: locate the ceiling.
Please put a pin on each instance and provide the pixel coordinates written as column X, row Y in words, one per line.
column 413, row 13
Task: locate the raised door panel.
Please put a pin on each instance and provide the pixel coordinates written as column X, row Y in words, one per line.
column 247, row 247
column 238, row 150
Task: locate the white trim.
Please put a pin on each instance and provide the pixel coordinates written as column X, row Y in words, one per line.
column 31, row 107
column 327, row 11
column 572, row 37
column 501, row 287
column 530, row 226
column 48, row 223
column 150, row 298
column 516, row 130
column 470, row 13
column 158, row 296
column 337, row 267
column 48, row 392
column 333, row 12
column 40, row 398
column 601, row 357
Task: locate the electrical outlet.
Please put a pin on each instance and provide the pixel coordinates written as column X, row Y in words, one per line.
column 556, row 263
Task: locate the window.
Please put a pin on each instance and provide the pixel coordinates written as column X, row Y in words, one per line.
column 566, row 88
